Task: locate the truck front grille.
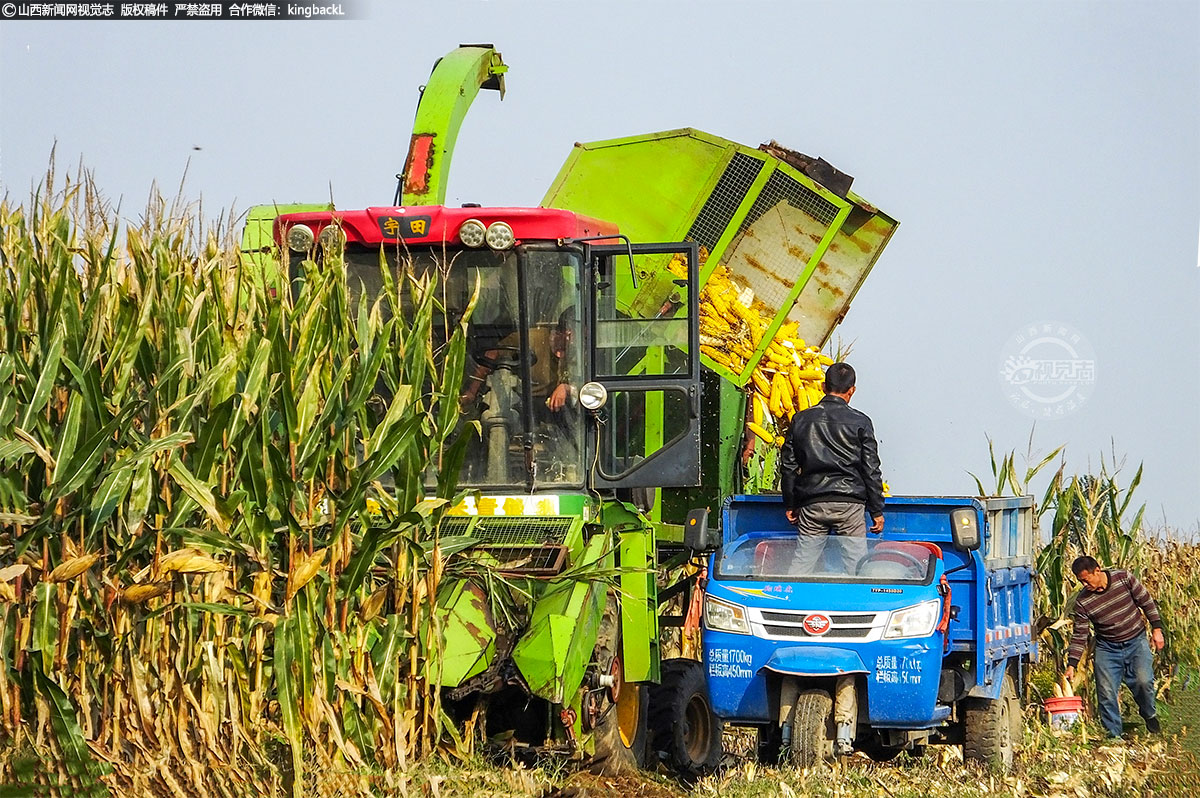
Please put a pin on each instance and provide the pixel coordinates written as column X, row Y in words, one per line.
column 863, row 626
column 850, row 633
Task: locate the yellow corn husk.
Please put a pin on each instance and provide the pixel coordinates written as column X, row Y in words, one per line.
column 136, row 594
column 305, row 570
column 72, row 568
column 189, row 561
column 370, row 608
column 760, row 382
column 887, row 489
column 7, row 594
column 1058, row 691
column 761, row 432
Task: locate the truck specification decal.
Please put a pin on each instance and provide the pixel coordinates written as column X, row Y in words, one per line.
column 887, row 590
column 730, row 663
column 890, row 669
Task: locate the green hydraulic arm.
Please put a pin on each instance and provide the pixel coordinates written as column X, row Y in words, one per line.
column 445, row 99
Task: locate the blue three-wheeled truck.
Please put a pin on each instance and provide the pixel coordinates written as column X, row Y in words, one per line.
column 927, row 638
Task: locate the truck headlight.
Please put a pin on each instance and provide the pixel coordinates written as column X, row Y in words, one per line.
column 721, row 616
column 918, row 620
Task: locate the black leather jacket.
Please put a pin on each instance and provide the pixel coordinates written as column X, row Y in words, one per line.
column 830, row 454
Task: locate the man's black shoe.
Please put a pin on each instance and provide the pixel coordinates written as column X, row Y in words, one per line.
column 1153, row 726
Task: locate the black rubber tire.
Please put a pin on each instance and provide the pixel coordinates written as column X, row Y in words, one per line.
column 617, row 754
column 613, row 757
column 684, row 732
column 812, row 729
column 991, row 728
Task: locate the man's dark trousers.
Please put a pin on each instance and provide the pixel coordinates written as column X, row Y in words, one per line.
column 1132, row 663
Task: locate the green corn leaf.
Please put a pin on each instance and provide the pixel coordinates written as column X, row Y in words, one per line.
column 78, row 761
column 47, row 378
column 111, row 493
column 44, row 637
column 198, row 492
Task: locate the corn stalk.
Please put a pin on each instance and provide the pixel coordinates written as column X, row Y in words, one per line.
column 193, row 597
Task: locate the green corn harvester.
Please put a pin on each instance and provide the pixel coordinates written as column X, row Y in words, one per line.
column 593, row 517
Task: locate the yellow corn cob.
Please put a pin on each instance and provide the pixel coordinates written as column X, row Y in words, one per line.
column 760, row 382
column 756, row 410
column 780, row 383
column 825, row 360
column 73, row 568
column 136, row 594
column 758, row 430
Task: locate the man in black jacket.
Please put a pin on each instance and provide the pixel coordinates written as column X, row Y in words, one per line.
column 830, row 474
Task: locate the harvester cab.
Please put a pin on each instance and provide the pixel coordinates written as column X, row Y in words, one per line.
column 583, row 356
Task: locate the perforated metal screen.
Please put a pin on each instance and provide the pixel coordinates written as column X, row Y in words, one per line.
column 740, row 173
column 512, row 530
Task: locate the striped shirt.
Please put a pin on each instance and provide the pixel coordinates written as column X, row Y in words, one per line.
column 1115, row 612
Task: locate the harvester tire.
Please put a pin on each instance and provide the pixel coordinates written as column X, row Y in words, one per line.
column 620, row 752
column 621, row 735
column 684, row 731
column 991, row 727
column 813, row 730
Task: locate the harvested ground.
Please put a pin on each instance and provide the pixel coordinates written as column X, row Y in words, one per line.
column 587, row 785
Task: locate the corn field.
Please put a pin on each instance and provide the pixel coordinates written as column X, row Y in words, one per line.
column 194, row 598
column 1095, row 514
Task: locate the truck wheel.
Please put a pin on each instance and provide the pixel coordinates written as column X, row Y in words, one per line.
column 812, row 729
column 684, row 731
column 991, row 727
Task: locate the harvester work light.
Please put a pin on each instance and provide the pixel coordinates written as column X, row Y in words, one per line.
column 500, row 235
column 472, row 233
column 300, row 238
column 331, row 236
column 593, row 396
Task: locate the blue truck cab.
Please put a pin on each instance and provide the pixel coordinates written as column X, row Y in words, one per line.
column 922, row 635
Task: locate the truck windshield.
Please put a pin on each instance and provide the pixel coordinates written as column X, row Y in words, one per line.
column 523, row 371
column 826, row 559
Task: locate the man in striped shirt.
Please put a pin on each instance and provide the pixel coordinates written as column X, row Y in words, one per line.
column 1114, row 603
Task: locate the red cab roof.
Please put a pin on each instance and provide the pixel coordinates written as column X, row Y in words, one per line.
column 438, row 224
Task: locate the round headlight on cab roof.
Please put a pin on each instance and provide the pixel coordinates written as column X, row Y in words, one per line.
column 331, row 237
column 472, row 233
column 593, row 396
column 500, row 236
column 300, row 238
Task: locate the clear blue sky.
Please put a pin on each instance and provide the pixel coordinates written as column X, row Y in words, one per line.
column 1043, row 160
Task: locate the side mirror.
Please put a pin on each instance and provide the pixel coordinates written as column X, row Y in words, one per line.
column 965, row 528
column 696, row 535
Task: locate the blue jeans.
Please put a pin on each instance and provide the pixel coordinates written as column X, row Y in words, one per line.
column 1132, row 663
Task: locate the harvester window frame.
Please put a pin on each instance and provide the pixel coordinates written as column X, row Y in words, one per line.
column 675, row 462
